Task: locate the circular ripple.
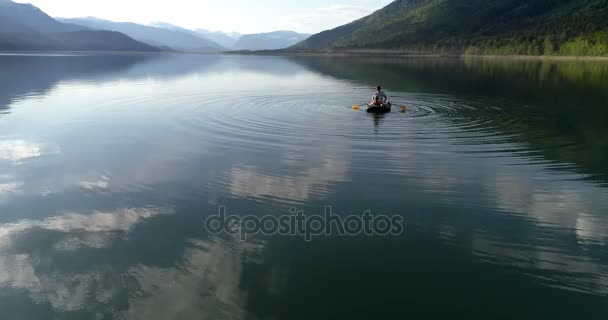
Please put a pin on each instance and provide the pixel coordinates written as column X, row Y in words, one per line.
column 291, row 147
column 274, row 121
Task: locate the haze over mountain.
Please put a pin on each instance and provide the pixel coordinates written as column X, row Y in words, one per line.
column 168, row 26
column 25, row 27
column 226, row 40
column 235, row 41
column 269, row 41
column 569, row 27
column 163, row 37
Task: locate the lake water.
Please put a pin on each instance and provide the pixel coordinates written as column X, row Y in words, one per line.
column 110, row 164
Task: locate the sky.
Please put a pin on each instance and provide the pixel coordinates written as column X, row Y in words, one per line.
column 243, row 16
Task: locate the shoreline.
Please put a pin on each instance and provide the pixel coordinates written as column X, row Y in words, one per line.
column 38, row 52
column 409, row 54
column 381, row 53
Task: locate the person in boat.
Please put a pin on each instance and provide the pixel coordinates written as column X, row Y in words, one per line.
column 379, row 98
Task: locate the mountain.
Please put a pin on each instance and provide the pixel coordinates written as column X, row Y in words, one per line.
column 568, row 27
column 168, row 26
column 162, row 37
column 17, row 17
column 269, row 41
column 226, row 40
column 85, row 40
column 24, row 27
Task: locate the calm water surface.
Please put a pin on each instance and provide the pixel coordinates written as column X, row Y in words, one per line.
column 109, row 165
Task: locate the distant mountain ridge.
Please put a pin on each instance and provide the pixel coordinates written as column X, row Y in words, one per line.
column 175, row 38
column 226, row 40
column 568, row 27
column 236, row 41
column 25, row 27
column 269, row 41
column 84, row 40
column 18, row 17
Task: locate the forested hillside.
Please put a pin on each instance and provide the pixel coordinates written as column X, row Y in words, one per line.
column 522, row 27
column 85, row 40
column 269, row 41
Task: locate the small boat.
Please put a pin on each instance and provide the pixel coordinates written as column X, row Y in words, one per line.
column 383, row 108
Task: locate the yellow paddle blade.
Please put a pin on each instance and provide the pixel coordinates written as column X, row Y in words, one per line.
column 356, row 107
column 403, row 107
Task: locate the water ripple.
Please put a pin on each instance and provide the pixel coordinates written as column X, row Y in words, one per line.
column 276, row 121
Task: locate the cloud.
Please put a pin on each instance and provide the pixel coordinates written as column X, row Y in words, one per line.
column 204, row 284
column 567, row 271
column 7, row 188
column 62, row 291
column 18, row 150
column 66, row 292
column 120, row 220
column 318, row 172
column 98, row 184
column 565, row 204
column 246, row 181
column 17, row 271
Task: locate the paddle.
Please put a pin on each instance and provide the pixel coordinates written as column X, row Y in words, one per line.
column 357, row 107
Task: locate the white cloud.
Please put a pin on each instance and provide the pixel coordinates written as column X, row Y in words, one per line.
column 246, row 181
column 97, row 184
column 66, row 292
column 18, row 150
column 120, row 220
column 96, row 240
column 590, row 277
column 566, row 204
column 16, row 271
column 7, row 188
column 204, row 284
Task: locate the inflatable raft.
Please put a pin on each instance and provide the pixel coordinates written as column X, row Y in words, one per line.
column 379, row 108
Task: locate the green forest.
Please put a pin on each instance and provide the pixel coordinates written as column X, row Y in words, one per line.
column 501, row 27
